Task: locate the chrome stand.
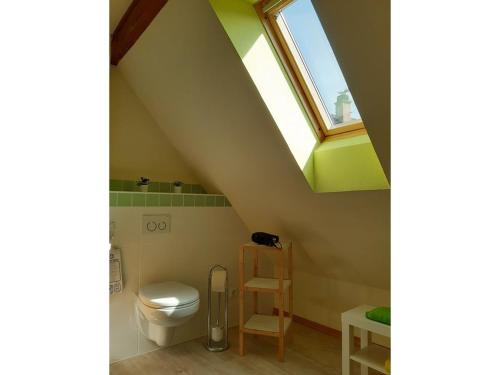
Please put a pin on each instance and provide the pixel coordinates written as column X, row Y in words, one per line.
column 222, row 343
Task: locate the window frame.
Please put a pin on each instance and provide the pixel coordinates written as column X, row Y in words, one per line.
column 300, row 83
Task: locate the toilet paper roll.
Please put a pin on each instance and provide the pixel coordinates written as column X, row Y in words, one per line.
column 219, row 281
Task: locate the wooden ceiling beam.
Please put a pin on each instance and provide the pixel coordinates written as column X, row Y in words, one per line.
column 133, row 23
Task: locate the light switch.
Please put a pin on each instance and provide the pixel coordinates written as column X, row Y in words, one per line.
column 155, row 224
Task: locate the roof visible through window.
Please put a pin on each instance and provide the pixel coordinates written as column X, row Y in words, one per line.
column 308, row 43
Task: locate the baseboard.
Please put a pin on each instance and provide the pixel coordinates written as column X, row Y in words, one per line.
column 314, row 325
column 322, row 328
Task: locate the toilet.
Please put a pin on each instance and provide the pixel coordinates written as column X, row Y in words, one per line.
column 163, row 306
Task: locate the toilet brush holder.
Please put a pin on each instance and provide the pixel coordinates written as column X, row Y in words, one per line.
column 217, row 320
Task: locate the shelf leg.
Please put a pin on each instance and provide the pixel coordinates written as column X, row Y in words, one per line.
column 281, row 307
column 242, row 343
column 255, row 274
column 242, row 301
column 365, row 340
column 281, row 348
column 347, row 347
column 290, row 277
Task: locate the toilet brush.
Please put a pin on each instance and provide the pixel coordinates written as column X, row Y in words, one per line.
column 217, row 330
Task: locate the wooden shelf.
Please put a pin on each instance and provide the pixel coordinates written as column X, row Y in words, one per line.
column 284, row 246
column 259, row 324
column 265, row 324
column 373, row 356
column 262, row 284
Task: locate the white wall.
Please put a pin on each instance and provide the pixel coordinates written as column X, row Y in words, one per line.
column 200, row 237
column 138, row 147
column 322, row 299
column 196, row 87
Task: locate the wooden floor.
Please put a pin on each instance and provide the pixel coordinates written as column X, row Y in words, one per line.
column 307, row 352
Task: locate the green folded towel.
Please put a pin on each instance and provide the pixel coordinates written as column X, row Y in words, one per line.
column 380, row 314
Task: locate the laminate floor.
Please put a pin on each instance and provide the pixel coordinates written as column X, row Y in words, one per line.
column 308, row 352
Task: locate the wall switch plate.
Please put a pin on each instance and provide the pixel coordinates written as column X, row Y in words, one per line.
column 155, row 224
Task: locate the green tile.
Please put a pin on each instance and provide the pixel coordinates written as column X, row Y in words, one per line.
column 139, row 200
column 219, row 201
column 196, row 189
column 165, row 187
column 152, row 200
column 129, row 186
column 124, row 200
column 210, row 201
column 112, row 199
column 199, row 200
column 154, row 187
column 165, row 200
column 188, row 200
column 177, row 200
column 226, row 202
column 115, row 185
column 187, row 188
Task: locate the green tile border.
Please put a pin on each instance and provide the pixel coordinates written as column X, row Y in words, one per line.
column 165, row 187
column 112, row 199
column 139, row 199
column 154, row 187
column 219, row 201
column 177, row 200
column 152, row 200
column 124, row 200
column 165, row 200
column 188, row 200
column 210, row 201
column 126, row 194
column 200, row 200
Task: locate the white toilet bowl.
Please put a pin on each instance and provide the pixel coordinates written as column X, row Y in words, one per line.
column 162, row 307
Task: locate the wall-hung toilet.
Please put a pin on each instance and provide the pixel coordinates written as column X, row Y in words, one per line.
column 163, row 306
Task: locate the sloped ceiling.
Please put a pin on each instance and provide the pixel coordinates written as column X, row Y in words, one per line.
column 187, row 73
column 117, row 9
column 359, row 32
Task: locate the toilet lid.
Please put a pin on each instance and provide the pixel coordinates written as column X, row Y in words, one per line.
column 168, row 294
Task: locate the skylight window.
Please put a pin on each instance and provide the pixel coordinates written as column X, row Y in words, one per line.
column 301, row 42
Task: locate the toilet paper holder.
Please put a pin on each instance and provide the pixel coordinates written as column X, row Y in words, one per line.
column 217, row 339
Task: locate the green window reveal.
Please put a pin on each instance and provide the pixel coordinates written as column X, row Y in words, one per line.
column 311, row 115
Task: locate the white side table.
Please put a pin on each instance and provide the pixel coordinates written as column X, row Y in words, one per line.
column 370, row 355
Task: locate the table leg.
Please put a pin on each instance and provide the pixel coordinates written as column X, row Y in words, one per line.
column 347, row 347
column 365, row 340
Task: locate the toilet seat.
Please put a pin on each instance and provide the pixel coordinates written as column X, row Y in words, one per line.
column 169, row 294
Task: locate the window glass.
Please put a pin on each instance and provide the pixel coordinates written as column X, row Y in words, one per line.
column 311, row 49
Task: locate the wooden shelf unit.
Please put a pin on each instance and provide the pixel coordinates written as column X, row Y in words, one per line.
column 261, row 324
